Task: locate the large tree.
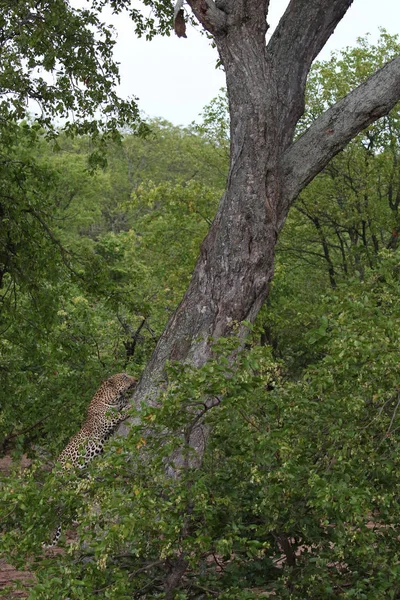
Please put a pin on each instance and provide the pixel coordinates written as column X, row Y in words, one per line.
column 268, row 169
column 269, row 166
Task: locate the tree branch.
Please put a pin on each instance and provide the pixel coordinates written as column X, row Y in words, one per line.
column 337, row 126
column 302, row 32
column 64, row 253
column 304, row 29
column 11, row 436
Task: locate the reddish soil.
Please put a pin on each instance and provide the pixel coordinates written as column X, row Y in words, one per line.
column 6, row 463
column 9, row 576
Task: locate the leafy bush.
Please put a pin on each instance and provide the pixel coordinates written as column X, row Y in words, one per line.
column 298, row 492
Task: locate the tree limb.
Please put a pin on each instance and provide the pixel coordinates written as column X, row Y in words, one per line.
column 301, row 34
column 304, row 30
column 337, row 126
column 11, row 436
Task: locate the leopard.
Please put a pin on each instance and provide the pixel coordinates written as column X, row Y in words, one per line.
column 104, row 414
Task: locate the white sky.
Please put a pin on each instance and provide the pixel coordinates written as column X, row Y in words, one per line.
column 175, row 77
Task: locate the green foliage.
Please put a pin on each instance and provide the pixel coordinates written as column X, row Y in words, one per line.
column 92, row 266
column 345, row 218
column 60, row 59
column 172, row 221
column 23, row 213
column 157, row 20
column 331, row 80
column 215, row 122
column 298, row 492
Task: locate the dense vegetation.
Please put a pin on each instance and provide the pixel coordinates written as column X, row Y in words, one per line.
column 299, row 489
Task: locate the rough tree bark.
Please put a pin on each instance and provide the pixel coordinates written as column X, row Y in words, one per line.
column 268, row 169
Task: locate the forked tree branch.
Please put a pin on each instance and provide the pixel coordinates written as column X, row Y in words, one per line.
column 304, row 30
column 301, row 34
column 337, row 126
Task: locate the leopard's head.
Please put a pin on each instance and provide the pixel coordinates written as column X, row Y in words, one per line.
column 113, row 393
column 120, row 383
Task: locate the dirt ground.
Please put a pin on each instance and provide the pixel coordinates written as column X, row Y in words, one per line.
column 9, row 576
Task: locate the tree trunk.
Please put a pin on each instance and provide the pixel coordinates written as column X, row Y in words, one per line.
column 230, row 280
column 266, row 86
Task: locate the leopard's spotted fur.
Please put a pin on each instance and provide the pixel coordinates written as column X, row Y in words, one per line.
column 102, row 418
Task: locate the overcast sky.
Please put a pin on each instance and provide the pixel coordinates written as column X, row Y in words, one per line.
column 175, row 77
